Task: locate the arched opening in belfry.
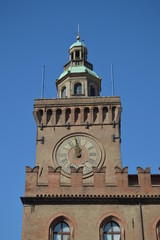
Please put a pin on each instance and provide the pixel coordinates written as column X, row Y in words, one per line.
column 113, row 113
column 78, row 89
column 77, row 115
column 92, row 91
column 104, row 114
column 58, row 116
column 49, row 115
column 39, row 116
column 86, row 114
column 63, row 92
column 68, row 115
column 95, row 114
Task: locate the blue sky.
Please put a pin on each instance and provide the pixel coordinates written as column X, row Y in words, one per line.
column 33, row 33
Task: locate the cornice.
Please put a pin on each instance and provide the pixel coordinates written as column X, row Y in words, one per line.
column 91, row 199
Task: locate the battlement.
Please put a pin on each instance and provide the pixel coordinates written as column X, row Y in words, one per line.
column 142, row 183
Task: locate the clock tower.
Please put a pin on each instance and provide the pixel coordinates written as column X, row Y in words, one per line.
column 77, row 150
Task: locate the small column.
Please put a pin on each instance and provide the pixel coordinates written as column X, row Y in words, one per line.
column 54, row 116
column 44, row 117
column 82, row 115
column 69, row 90
column 91, row 115
column 72, row 116
column 100, row 114
column 74, row 55
column 63, row 116
column 109, row 114
column 85, row 88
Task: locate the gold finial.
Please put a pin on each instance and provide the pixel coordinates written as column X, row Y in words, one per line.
column 78, row 37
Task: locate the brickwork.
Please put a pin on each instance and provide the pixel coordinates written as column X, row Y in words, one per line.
column 85, row 203
column 77, row 186
column 78, row 176
column 86, row 220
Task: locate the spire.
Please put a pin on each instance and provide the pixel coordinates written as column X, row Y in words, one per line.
column 78, row 37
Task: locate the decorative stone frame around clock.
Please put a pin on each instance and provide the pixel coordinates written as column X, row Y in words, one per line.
column 82, row 163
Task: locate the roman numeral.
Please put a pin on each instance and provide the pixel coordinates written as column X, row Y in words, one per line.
column 90, row 148
column 90, row 160
column 63, row 155
column 64, row 160
column 71, row 144
column 92, row 154
column 65, row 148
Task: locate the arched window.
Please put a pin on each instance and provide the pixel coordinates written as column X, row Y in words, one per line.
column 39, row 116
column 49, row 115
column 61, row 231
column 92, row 91
column 77, row 115
column 78, row 88
column 58, row 116
column 86, row 114
column 105, row 111
column 95, row 114
column 113, row 113
column 111, row 231
column 68, row 115
column 158, row 230
column 63, row 93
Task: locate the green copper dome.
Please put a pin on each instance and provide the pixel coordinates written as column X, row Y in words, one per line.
column 77, row 44
column 78, row 69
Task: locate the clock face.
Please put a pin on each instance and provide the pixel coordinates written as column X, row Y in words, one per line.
column 78, row 150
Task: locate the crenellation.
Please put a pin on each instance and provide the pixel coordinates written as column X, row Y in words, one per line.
column 122, row 177
column 99, row 177
column 31, row 180
column 76, row 177
column 144, row 178
column 146, row 182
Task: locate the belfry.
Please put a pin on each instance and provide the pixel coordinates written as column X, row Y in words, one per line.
column 78, row 188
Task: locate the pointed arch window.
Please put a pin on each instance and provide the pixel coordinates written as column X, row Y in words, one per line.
column 158, row 230
column 111, row 228
column 112, row 231
column 61, row 231
column 78, row 88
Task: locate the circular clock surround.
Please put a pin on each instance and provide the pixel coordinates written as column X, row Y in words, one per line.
column 77, row 150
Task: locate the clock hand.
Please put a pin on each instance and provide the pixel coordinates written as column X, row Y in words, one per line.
column 77, row 149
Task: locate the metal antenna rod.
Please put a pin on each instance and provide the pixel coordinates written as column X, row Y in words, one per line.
column 112, row 78
column 43, row 76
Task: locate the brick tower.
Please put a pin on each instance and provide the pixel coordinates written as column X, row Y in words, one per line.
column 78, row 189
